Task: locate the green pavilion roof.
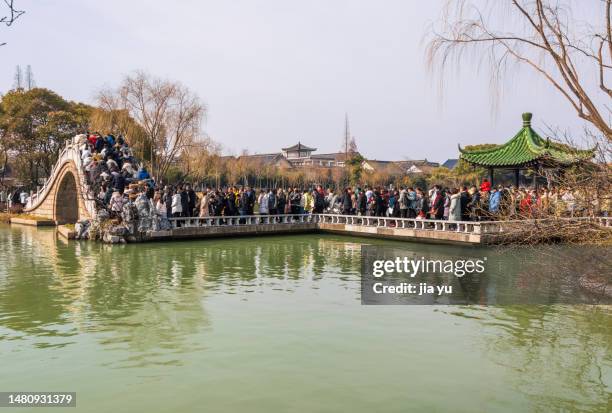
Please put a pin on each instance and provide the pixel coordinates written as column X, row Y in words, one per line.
column 524, row 149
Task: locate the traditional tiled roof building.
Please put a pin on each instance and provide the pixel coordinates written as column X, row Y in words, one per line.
column 300, row 155
column 526, row 150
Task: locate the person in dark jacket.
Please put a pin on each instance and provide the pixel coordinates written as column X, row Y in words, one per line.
column 243, row 202
column 347, row 203
column 380, row 203
column 272, row 202
column 394, row 209
column 362, row 203
column 464, row 201
column 184, row 201
column 191, row 200
column 295, row 199
column 216, row 203
column 168, row 200
column 118, row 181
column 281, row 200
column 319, row 200
column 422, row 204
column 230, row 202
column 98, row 143
column 474, row 206
column 437, row 203
column 251, row 198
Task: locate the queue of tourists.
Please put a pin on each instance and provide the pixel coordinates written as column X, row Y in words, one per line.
column 457, row 204
column 473, row 203
column 125, row 190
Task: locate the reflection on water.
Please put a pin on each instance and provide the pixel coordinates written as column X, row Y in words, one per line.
column 220, row 313
column 536, row 343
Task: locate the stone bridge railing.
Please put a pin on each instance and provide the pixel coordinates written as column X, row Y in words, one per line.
column 468, row 227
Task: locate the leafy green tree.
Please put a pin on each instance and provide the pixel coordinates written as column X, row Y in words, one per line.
column 354, row 164
column 34, row 125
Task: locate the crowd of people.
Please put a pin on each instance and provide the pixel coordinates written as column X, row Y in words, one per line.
column 109, row 166
column 457, row 204
column 125, row 190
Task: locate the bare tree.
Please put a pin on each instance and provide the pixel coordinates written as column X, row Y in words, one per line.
column 571, row 55
column 169, row 113
column 29, row 78
column 9, row 15
column 18, row 83
column 349, row 146
column 201, row 159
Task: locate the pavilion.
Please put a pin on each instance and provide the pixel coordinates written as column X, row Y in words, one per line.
column 526, row 150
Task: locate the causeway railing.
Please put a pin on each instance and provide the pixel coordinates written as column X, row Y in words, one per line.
column 470, row 227
column 241, row 220
column 475, row 227
column 366, row 221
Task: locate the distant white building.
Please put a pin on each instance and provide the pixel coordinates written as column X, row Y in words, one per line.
column 400, row 167
column 301, row 156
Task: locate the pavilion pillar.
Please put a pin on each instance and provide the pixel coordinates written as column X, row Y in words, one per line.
column 491, row 176
column 536, row 170
column 517, row 174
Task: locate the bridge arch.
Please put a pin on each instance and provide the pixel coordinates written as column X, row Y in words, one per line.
column 66, row 205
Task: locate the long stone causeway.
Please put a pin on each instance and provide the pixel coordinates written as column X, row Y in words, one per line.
column 66, row 198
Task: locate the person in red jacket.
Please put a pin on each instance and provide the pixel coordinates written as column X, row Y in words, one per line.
column 92, row 140
column 485, row 186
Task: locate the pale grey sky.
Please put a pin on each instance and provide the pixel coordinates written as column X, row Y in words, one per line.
column 273, row 72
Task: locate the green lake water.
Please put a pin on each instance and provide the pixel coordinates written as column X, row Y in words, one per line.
column 275, row 324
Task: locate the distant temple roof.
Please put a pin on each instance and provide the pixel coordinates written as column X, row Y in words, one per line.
column 450, row 163
column 524, row 149
column 299, row 147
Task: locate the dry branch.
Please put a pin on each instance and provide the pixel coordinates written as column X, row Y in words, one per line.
column 561, row 49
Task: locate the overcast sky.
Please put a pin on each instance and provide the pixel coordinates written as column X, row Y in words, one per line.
column 273, row 72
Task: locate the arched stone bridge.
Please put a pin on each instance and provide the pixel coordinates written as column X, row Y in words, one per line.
column 64, row 197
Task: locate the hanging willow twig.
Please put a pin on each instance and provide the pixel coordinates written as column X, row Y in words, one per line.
column 541, row 34
column 11, row 15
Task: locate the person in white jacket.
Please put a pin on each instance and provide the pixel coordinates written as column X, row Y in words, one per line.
column 160, row 206
column 263, row 203
column 455, row 206
column 177, row 208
